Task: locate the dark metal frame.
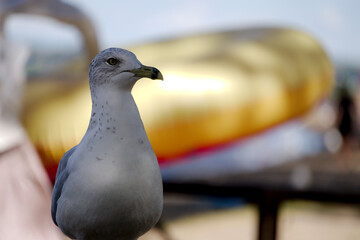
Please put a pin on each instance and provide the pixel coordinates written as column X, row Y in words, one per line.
column 268, row 189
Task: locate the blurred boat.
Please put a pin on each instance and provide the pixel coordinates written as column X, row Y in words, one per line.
column 218, row 88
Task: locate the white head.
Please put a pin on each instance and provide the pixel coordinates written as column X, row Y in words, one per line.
column 119, row 68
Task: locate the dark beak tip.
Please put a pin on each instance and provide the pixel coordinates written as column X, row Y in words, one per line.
column 156, row 74
column 153, row 76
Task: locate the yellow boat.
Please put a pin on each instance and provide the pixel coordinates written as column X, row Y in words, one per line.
column 218, row 88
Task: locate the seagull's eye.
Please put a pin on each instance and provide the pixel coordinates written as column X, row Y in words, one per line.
column 112, row 61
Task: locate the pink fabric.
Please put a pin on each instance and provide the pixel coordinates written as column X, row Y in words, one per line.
column 25, row 197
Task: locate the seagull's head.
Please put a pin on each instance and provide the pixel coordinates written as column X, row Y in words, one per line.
column 119, row 67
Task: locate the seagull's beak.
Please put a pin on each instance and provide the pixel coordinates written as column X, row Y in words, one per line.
column 147, row 72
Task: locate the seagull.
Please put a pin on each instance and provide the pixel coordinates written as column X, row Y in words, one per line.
column 109, row 186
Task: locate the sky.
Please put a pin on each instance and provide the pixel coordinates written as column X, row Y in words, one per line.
column 335, row 23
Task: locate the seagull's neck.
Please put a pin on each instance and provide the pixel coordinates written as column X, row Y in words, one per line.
column 110, row 100
column 114, row 110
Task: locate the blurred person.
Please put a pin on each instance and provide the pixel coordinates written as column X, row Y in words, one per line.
column 25, row 189
column 346, row 124
column 25, row 192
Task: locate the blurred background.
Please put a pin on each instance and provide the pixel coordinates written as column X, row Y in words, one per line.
column 249, row 86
